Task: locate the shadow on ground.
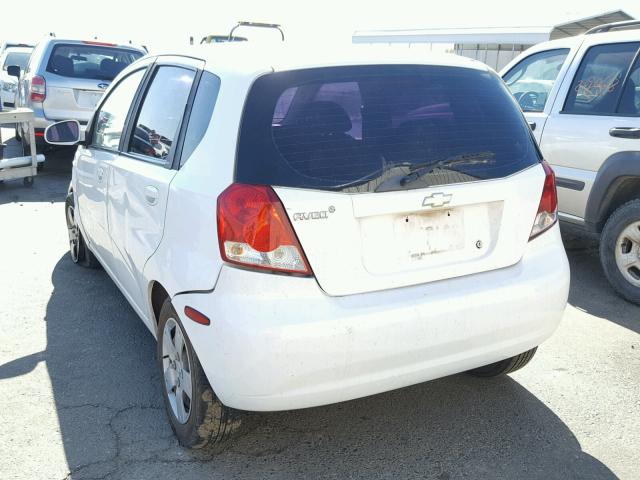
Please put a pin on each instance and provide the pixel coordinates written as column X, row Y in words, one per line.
column 590, row 290
column 100, row 359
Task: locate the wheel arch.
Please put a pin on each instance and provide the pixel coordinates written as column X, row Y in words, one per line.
column 617, row 182
column 157, row 296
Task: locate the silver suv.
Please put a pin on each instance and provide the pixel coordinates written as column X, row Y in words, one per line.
column 65, row 79
column 581, row 96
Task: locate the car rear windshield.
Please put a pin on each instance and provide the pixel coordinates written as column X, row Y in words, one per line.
column 90, row 61
column 381, row 128
column 21, row 59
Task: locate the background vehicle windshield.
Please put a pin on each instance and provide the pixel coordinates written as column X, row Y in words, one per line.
column 90, row 61
column 373, row 128
column 21, row 59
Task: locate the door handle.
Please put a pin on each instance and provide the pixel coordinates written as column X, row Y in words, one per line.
column 100, row 174
column 151, row 194
column 532, row 125
column 625, row 132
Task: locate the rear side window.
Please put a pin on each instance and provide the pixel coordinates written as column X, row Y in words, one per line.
column 161, row 113
column 381, row 128
column 598, row 84
column 201, row 112
column 629, row 103
column 531, row 80
column 90, row 61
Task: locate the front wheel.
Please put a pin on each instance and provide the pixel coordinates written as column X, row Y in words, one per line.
column 505, row 366
column 620, row 251
column 196, row 415
column 78, row 249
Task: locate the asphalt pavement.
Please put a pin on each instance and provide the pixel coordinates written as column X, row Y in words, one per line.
column 80, row 395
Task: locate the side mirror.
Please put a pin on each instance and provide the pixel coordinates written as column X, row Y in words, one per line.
column 66, row 132
column 14, row 71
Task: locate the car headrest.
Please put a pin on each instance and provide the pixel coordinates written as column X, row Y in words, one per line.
column 325, row 117
column 109, row 67
column 62, row 65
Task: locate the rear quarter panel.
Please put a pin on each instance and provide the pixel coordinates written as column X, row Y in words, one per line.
column 188, row 258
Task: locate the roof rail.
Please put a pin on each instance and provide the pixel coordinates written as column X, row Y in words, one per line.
column 257, row 25
column 607, row 27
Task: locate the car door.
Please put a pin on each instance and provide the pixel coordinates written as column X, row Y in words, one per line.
column 533, row 83
column 92, row 163
column 141, row 174
column 595, row 115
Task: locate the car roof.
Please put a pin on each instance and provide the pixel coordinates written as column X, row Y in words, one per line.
column 17, row 49
column 98, row 43
column 247, row 57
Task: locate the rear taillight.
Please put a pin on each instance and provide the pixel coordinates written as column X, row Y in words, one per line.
column 38, row 89
column 547, row 214
column 255, row 231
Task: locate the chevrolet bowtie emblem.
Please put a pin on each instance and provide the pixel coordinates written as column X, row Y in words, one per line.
column 436, row 200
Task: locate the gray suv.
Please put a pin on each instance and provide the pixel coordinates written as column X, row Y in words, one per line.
column 65, row 79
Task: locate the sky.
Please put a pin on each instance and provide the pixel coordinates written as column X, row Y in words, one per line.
column 162, row 25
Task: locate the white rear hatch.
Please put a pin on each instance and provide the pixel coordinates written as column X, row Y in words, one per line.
column 364, row 242
column 394, row 175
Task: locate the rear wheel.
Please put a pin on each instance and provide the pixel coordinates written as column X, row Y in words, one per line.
column 78, row 249
column 620, row 250
column 505, row 366
column 196, row 415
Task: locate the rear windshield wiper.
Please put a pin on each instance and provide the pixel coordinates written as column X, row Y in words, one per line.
column 420, row 170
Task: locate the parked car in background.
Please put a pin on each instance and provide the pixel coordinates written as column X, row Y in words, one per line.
column 16, row 56
column 334, row 225
column 65, row 79
column 581, row 96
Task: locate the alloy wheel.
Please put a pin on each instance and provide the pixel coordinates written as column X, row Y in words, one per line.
column 628, row 253
column 74, row 234
column 177, row 370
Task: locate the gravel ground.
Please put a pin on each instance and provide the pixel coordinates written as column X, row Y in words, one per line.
column 80, row 397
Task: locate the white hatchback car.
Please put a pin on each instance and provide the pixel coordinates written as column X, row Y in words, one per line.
column 299, row 229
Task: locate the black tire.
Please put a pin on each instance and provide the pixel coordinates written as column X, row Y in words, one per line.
column 27, row 182
column 505, row 366
column 83, row 256
column 209, row 422
column 619, row 220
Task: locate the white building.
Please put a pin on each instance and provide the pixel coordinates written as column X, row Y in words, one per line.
column 495, row 46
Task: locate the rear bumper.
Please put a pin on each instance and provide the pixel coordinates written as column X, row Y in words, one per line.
column 279, row 342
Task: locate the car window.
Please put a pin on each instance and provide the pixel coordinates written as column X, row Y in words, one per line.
column 531, row 80
column 365, row 128
column 630, row 99
column 201, row 112
column 16, row 58
column 597, row 86
column 113, row 112
column 157, row 123
column 90, row 61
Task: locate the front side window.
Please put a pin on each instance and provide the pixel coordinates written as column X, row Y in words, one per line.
column 156, row 126
column 531, row 80
column 597, row 86
column 90, row 61
column 110, row 119
column 380, row 128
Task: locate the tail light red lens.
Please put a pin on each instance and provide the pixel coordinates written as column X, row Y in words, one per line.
column 547, row 215
column 254, row 230
column 38, row 89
